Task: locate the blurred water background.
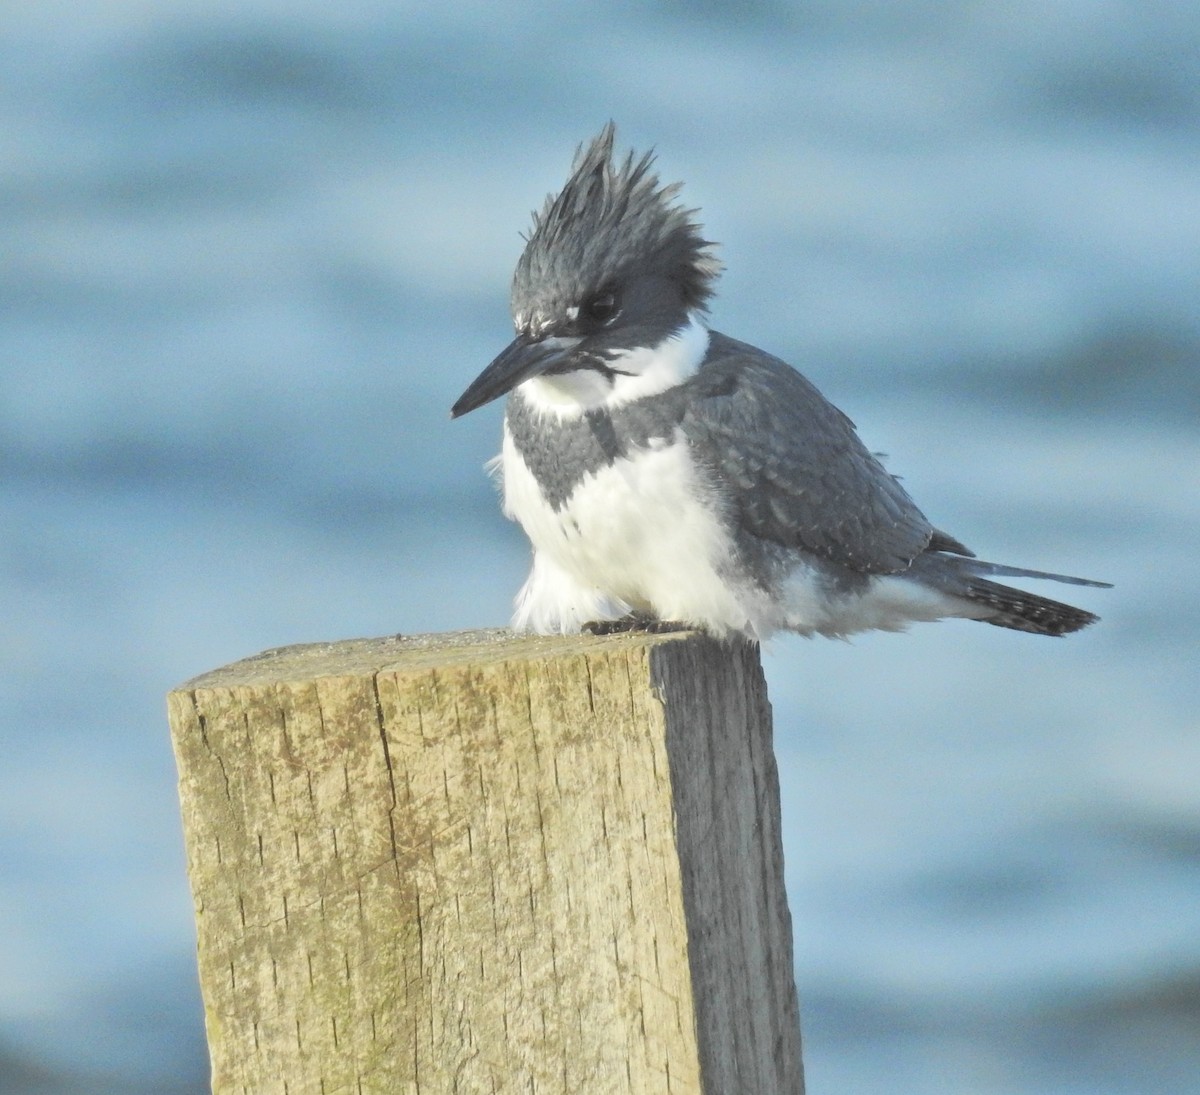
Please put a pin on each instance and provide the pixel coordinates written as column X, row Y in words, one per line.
column 252, row 251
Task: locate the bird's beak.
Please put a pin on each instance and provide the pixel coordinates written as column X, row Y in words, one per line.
column 523, row 358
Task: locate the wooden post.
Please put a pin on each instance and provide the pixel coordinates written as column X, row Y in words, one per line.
column 474, row 863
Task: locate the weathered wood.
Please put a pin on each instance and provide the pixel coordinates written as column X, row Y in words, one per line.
column 474, row 863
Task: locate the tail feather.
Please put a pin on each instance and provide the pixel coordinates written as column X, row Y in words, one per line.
column 1022, row 611
column 1008, row 607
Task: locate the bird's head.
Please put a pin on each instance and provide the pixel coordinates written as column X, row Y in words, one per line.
column 612, row 265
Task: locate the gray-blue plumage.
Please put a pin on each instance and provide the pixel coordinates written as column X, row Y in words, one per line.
column 667, row 470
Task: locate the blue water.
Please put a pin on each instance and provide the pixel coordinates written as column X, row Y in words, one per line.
column 252, row 252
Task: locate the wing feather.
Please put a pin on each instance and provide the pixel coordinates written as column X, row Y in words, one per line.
column 793, row 465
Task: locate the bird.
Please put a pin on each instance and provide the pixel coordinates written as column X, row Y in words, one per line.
column 669, row 476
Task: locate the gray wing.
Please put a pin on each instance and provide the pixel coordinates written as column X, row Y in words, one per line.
column 794, row 467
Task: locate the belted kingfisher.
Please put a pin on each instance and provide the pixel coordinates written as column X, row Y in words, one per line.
column 666, row 473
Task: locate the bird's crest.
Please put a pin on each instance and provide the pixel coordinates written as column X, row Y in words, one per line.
column 611, row 218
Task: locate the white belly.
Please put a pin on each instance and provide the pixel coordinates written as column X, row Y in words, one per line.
column 643, row 533
column 640, row 533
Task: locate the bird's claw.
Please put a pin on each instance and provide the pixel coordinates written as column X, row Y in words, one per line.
column 634, row 622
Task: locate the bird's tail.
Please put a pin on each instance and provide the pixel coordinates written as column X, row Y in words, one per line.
column 1006, row 605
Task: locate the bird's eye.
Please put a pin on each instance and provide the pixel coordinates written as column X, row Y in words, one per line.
column 601, row 308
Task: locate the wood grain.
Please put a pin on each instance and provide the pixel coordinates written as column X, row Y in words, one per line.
column 475, row 863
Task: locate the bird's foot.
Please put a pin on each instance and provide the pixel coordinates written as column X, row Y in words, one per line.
column 634, row 622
